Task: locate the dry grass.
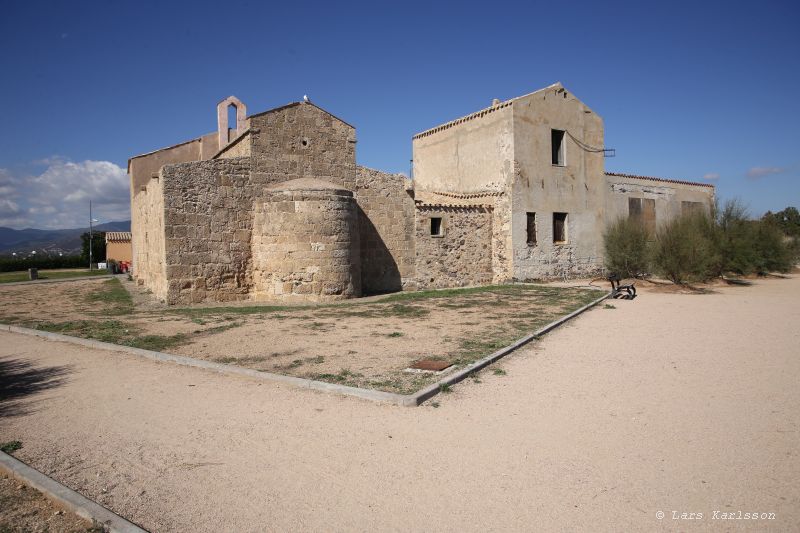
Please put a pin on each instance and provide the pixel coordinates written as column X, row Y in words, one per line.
column 365, row 344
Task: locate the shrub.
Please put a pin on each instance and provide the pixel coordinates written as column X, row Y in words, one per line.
column 772, row 249
column 625, row 243
column 685, row 249
column 736, row 237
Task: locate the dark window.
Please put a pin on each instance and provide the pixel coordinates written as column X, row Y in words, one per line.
column 643, row 211
column 531, row 225
column 557, row 138
column 692, row 208
column 436, row 226
column 559, row 227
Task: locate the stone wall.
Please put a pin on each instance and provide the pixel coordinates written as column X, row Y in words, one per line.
column 462, row 255
column 208, row 214
column 147, row 237
column 240, row 147
column 386, row 227
column 303, row 141
column 305, row 243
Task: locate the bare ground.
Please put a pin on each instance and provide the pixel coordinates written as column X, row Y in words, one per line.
column 24, row 509
column 670, row 402
column 367, row 344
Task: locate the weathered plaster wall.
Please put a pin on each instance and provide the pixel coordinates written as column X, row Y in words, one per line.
column 143, row 167
column 119, row 251
column 208, row 213
column 468, row 155
column 147, row 237
column 305, row 243
column 539, row 187
column 667, row 195
column 474, row 154
column 462, row 255
column 386, row 228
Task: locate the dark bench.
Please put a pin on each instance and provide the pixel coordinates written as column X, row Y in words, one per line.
column 623, row 292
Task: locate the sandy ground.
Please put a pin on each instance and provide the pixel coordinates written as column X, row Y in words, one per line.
column 670, row 402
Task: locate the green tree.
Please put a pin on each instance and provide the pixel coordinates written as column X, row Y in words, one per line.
column 98, row 246
column 787, row 220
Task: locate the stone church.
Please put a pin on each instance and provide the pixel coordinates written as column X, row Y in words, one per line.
column 276, row 207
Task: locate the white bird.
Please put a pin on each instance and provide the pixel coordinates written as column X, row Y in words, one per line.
column 305, row 98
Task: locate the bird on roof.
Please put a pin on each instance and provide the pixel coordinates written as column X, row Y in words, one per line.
column 305, row 98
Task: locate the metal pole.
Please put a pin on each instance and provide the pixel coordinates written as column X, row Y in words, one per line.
column 90, row 235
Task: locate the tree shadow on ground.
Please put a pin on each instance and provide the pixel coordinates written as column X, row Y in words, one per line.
column 19, row 380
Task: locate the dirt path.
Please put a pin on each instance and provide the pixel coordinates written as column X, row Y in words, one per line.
column 670, row 402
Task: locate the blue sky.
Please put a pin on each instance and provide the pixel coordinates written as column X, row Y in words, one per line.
column 688, row 90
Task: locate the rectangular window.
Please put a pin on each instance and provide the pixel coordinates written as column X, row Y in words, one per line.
column 436, row 226
column 643, row 211
column 692, row 208
column 557, row 143
column 559, row 228
column 531, row 229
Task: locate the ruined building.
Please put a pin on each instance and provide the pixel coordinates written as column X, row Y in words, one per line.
column 275, row 206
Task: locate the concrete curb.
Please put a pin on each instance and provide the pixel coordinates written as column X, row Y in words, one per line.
column 65, row 280
column 411, row 400
column 74, row 501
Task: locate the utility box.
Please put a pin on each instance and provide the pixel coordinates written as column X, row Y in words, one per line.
column 33, row 273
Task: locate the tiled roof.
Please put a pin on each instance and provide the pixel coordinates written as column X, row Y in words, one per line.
column 478, row 200
column 118, row 236
column 651, row 178
column 477, row 114
column 443, row 205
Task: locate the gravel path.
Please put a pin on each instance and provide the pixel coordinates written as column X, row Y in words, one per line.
column 671, row 402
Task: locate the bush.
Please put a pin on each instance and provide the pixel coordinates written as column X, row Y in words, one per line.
column 686, row 249
column 625, row 243
column 736, row 237
column 772, row 249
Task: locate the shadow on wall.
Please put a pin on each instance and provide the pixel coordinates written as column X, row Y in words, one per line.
column 379, row 271
column 19, row 379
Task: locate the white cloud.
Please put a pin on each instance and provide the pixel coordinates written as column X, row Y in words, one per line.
column 59, row 196
column 711, row 176
column 759, row 172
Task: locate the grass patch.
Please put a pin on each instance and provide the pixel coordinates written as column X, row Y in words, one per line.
column 10, row 446
column 395, row 334
column 499, row 372
column 219, row 329
column 11, row 277
column 240, row 360
column 115, row 332
column 157, row 343
column 116, row 299
column 379, row 307
column 609, row 306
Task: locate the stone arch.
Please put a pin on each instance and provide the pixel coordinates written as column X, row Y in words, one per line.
column 222, row 120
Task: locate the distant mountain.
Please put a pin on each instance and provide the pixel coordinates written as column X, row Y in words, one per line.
column 66, row 241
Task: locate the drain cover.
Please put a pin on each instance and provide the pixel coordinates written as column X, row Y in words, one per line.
column 427, row 364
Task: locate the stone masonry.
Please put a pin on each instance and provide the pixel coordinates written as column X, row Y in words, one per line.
column 275, row 206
